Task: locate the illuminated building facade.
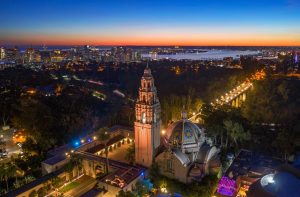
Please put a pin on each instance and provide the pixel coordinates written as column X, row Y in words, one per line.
column 29, row 55
column 296, row 58
column 186, row 155
column 148, row 123
column 12, row 54
column 2, row 53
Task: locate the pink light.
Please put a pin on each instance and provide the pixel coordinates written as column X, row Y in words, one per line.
column 226, row 186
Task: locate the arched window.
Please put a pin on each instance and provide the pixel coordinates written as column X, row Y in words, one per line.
column 169, row 165
column 143, row 117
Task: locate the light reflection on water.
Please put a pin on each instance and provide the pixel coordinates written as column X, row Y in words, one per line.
column 208, row 55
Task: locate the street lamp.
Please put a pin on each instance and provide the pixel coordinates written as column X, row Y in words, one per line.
column 163, row 132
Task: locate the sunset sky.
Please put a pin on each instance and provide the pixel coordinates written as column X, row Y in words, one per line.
column 155, row 22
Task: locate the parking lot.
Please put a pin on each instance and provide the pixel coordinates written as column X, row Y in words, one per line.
column 12, row 148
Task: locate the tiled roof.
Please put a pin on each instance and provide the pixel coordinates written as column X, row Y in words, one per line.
column 33, row 184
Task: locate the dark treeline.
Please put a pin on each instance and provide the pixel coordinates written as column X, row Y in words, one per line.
column 179, row 84
column 267, row 122
column 55, row 120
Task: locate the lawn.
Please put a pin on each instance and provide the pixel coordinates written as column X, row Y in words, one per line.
column 70, row 186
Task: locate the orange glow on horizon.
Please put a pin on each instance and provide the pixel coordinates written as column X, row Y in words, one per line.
column 157, row 40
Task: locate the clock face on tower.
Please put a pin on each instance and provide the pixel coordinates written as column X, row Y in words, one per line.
column 144, row 117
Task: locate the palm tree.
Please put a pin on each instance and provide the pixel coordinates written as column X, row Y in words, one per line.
column 77, row 161
column 284, row 143
column 18, row 170
column 217, row 132
column 7, row 171
column 3, row 173
column 130, row 154
column 235, row 132
column 69, row 169
column 104, row 137
column 228, row 128
column 55, row 183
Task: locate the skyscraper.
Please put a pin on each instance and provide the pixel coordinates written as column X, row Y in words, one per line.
column 2, row 53
column 12, row 54
column 296, row 58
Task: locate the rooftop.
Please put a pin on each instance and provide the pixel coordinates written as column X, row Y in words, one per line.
column 34, row 183
column 123, row 173
column 249, row 163
column 55, row 159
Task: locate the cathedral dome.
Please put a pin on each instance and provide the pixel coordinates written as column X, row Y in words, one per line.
column 184, row 133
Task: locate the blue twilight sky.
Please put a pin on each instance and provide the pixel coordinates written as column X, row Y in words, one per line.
column 155, row 22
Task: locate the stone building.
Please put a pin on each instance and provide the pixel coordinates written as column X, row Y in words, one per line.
column 185, row 154
column 148, row 122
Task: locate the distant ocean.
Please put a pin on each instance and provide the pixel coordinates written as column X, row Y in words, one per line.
column 213, row 54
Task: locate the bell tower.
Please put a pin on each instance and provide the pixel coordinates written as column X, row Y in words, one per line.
column 147, row 121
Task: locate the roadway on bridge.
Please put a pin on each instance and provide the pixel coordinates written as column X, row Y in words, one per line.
column 230, row 96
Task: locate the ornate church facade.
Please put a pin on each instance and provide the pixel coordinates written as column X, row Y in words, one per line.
column 183, row 152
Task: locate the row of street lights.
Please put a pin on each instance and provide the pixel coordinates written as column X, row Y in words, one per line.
column 258, row 75
column 81, row 142
column 232, row 94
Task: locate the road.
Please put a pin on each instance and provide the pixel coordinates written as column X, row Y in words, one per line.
column 228, row 97
column 11, row 147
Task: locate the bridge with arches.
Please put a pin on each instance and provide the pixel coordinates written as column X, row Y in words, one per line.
column 234, row 97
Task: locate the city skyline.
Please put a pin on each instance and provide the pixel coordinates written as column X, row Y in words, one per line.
column 183, row 23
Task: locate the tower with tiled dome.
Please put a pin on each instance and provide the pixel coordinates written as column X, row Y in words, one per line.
column 185, row 154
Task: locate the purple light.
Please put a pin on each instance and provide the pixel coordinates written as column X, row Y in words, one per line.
column 226, row 186
column 89, row 140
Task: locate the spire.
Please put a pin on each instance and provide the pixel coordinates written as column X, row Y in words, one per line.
column 183, row 113
column 147, row 71
column 183, row 117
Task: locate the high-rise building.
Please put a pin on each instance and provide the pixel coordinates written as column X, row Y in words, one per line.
column 147, row 121
column 12, row 54
column 57, row 56
column 45, row 55
column 2, row 53
column 296, row 58
column 29, row 55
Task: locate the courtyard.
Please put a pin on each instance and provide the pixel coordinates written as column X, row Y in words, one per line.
column 119, row 153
